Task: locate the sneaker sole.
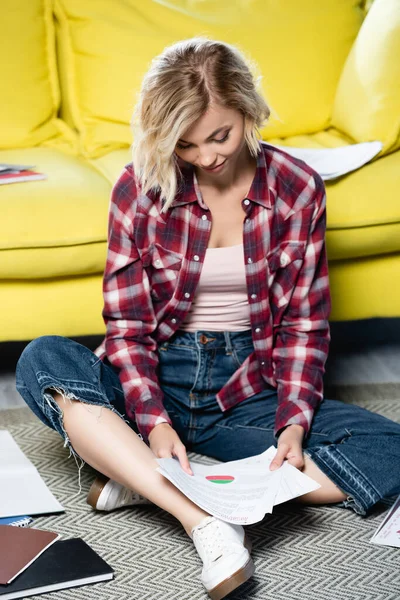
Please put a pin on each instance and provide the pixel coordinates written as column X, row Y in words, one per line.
column 236, row 579
column 96, row 488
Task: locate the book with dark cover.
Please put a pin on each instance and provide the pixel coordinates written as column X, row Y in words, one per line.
column 66, row 564
column 19, row 548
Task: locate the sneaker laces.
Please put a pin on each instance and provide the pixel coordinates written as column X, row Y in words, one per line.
column 129, row 496
column 212, row 540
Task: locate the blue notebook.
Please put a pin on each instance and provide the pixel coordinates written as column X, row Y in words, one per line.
column 21, row 521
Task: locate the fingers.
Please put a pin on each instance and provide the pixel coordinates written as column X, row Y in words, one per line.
column 180, row 452
column 294, row 457
column 296, row 460
column 164, row 453
column 280, row 456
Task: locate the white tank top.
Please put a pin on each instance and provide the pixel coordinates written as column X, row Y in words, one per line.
column 220, row 303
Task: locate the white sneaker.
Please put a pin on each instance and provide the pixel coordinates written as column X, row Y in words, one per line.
column 225, row 552
column 106, row 494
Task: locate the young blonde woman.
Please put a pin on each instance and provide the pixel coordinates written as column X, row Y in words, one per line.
column 216, row 303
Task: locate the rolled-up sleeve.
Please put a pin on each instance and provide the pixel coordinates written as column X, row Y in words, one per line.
column 129, row 314
column 302, row 339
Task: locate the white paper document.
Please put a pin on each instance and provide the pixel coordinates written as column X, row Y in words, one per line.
column 239, row 491
column 334, row 162
column 22, row 490
column 388, row 532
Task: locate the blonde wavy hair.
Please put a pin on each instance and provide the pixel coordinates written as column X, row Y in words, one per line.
column 177, row 90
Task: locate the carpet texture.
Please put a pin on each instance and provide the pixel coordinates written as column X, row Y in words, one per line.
column 300, row 552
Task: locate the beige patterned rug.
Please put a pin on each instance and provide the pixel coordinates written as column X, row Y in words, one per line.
column 300, row 552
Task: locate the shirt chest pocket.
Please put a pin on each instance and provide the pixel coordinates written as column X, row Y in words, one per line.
column 162, row 267
column 284, row 264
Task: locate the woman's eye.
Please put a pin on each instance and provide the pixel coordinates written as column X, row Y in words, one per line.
column 223, row 139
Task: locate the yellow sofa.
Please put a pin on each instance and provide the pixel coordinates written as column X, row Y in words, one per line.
column 70, row 73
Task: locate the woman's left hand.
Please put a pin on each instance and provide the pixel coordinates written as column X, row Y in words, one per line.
column 290, row 446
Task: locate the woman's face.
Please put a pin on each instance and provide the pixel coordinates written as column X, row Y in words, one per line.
column 214, row 142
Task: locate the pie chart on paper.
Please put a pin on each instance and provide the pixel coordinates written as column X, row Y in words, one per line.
column 220, row 478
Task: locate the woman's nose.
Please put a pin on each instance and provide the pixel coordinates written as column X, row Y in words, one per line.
column 207, row 160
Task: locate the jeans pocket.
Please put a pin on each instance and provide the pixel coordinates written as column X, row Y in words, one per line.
column 177, row 365
column 241, row 353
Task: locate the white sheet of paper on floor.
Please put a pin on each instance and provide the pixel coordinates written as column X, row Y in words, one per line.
column 22, row 490
column 388, row 532
column 331, row 163
column 241, row 491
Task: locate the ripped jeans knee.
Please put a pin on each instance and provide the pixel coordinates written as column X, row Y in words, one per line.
column 56, row 414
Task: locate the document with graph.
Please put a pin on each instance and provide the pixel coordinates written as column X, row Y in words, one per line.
column 240, row 491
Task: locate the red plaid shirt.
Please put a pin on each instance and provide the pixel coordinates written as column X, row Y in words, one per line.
column 153, row 267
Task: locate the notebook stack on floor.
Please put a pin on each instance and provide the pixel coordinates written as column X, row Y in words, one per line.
column 18, row 549
column 34, row 561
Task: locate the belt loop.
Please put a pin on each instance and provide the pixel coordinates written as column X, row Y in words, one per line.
column 196, row 335
column 228, row 342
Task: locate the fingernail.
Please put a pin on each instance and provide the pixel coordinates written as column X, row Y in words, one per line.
column 273, row 467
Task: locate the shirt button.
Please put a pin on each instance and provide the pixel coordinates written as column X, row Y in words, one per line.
column 254, row 296
column 246, row 202
column 262, row 363
column 187, row 295
column 173, row 320
column 249, row 260
column 283, row 260
column 204, row 217
column 196, row 258
column 258, row 330
column 158, row 262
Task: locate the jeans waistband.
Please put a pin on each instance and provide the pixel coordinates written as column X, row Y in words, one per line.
column 209, row 340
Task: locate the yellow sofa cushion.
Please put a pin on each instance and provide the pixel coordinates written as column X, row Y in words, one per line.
column 57, row 226
column 69, row 306
column 367, row 104
column 365, row 288
column 30, row 100
column 299, row 45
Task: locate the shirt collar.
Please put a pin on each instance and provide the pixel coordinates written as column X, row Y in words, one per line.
column 189, row 190
column 259, row 190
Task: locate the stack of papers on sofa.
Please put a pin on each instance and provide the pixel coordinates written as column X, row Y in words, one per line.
column 331, row 163
column 10, row 173
column 239, row 491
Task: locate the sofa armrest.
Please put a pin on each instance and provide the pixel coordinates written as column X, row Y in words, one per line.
column 367, row 103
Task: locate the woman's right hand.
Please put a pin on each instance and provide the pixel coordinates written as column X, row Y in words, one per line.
column 165, row 443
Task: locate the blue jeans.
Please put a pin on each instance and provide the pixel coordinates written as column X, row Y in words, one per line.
column 357, row 449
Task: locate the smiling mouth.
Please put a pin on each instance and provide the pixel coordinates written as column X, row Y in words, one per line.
column 213, row 168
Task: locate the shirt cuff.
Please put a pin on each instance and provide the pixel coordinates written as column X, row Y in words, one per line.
column 146, row 422
column 293, row 413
